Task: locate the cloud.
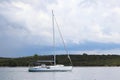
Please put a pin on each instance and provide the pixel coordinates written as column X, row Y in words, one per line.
column 28, row 22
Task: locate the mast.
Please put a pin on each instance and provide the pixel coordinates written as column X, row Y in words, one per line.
column 53, row 38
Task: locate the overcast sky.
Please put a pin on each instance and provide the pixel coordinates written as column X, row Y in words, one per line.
column 91, row 26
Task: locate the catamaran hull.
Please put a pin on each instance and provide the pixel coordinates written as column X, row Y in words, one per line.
column 51, row 69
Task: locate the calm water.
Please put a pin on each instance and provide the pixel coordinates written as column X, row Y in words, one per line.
column 78, row 73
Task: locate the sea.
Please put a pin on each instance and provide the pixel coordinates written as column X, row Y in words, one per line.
column 78, row 73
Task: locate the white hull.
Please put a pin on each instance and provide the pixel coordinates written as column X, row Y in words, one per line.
column 56, row 68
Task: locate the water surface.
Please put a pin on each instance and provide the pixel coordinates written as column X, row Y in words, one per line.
column 78, row 73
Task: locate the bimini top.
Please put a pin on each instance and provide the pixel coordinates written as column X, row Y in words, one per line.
column 39, row 61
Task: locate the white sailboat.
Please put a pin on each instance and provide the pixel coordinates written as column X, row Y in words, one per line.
column 55, row 67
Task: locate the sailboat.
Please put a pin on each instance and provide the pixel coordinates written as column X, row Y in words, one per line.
column 55, row 67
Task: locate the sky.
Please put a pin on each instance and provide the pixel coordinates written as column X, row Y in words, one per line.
column 87, row 26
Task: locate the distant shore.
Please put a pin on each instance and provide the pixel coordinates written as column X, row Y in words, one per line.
column 78, row 60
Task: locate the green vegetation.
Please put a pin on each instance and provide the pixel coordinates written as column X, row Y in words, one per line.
column 78, row 60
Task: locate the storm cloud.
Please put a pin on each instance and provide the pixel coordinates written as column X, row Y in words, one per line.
column 26, row 25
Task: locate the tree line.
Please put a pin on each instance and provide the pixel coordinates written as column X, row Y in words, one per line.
column 78, row 60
